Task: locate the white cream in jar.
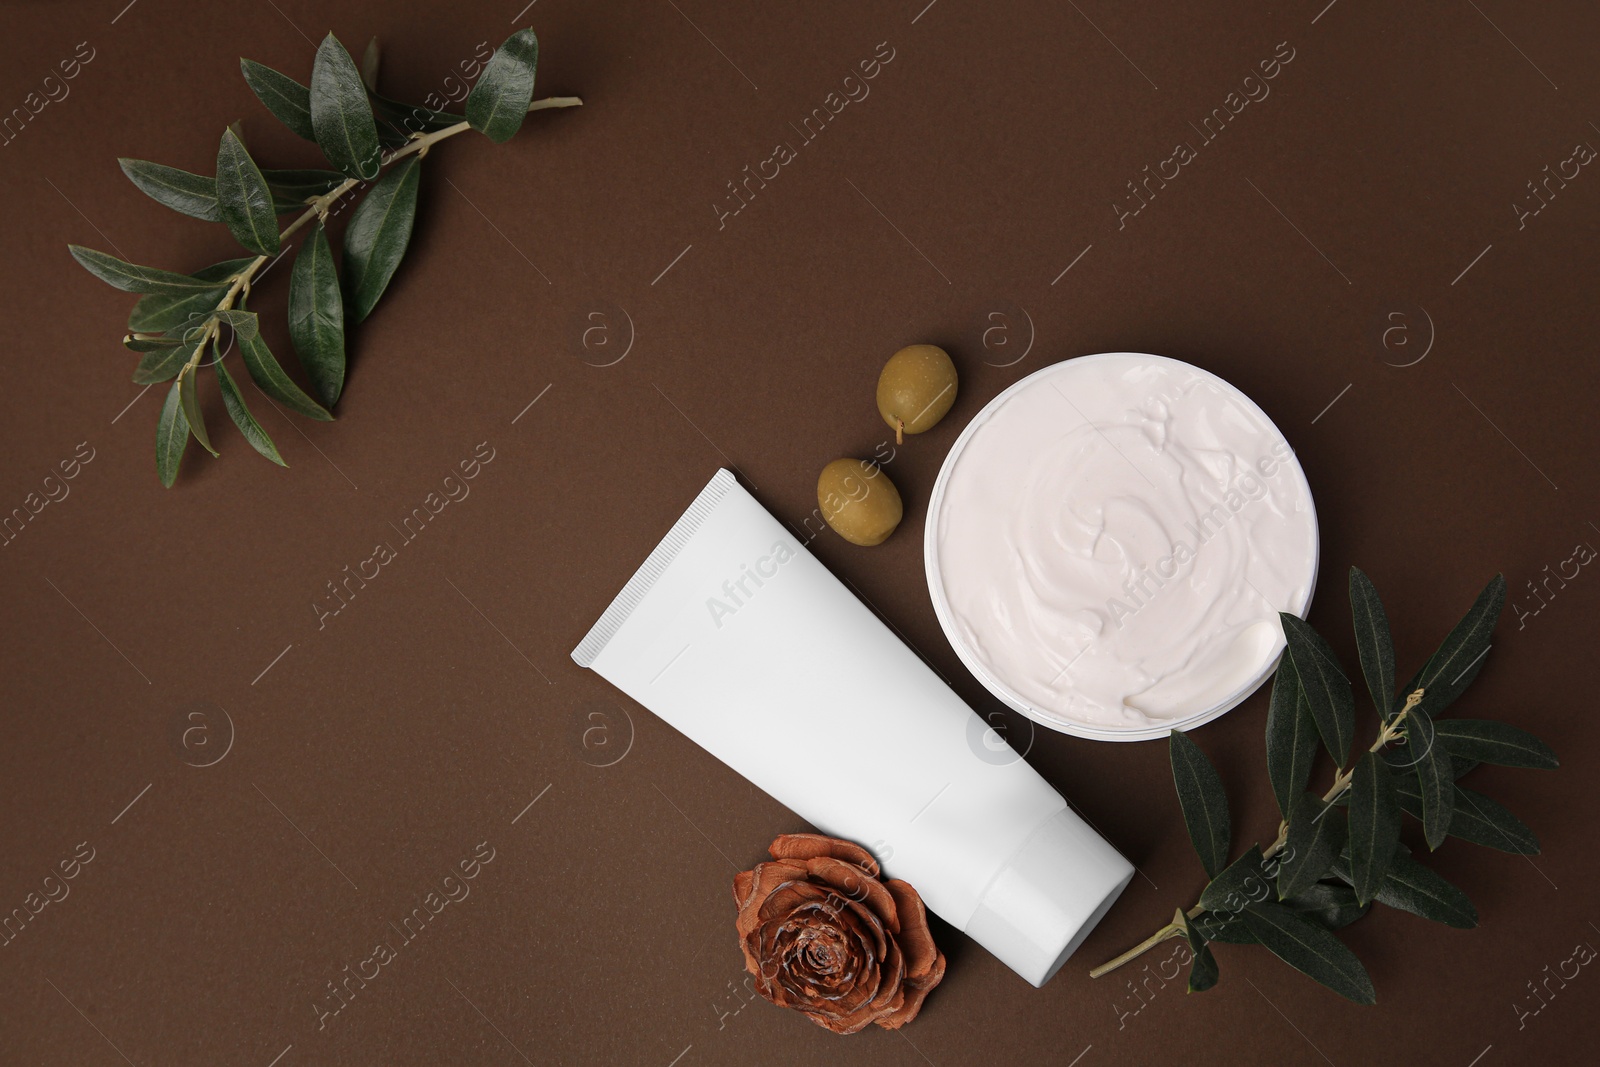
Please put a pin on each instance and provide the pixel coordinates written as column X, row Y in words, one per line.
column 1111, row 540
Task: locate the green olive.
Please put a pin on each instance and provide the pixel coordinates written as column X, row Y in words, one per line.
column 859, row 501
column 916, row 389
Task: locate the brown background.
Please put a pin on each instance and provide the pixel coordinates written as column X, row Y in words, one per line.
column 423, row 719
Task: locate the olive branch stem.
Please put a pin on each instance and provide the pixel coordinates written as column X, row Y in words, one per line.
column 1391, row 730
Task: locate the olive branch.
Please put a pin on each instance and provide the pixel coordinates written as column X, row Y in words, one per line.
column 1337, row 853
column 371, row 141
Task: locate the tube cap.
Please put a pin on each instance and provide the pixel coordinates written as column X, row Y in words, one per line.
column 1048, row 896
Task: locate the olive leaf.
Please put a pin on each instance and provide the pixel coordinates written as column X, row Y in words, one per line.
column 1326, row 689
column 188, row 194
column 499, row 102
column 376, row 238
column 1316, row 834
column 1241, row 882
column 283, row 96
column 1412, row 887
column 1374, row 824
column 240, row 413
column 244, row 199
column 1332, row 904
column 341, row 118
column 1486, row 741
column 1309, row 948
column 1203, row 968
column 1204, row 803
column 1452, row 668
column 267, row 373
column 1291, row 739
column 1475, row 818
column 1374, row 643
column 1225, row 927
column 1435, row 776
column 191, row 407
column 162, row 312
column 292, row 188
column 163, row 364
column 316, row 317
column 131, row 278
column 149, row 344
column 172, row 436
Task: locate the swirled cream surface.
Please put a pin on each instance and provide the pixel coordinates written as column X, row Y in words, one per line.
column 1115, row 537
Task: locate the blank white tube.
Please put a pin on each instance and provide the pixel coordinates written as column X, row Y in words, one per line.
column 738, row 637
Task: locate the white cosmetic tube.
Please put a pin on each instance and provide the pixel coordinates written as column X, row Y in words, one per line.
column 735, row 635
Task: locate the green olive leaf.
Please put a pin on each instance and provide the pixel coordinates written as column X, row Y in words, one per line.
column 1435, row 775
column 135, row 279
column 1332, row 904
column 1498, row 743
column 1309, row 948
column 1412, row 887
column 172, row 437
column 1204, row 803
column 1316, row 834
column 1476, row 818
column 1291, row 738
column 191, row 407
column 340, row 115
column 1203, row 969
column 1460, row 657
column 283, row 96
column 1374, row 643
column 149, row 344
column 240, row 413
column 244, row 199
column 1242, row 882
column 1326, row 689
column 163, row 313
column 499, row 102
column 163, row 364
column 1374, row 824
column 292, row 188
column 194, row 195
column 268, row 373
column 316, row 317
column 376, row 238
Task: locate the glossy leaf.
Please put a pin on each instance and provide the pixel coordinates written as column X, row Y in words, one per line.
column 268, row 373
column 1203, row 966
column 1316, row 834
column 190, row 400
column 244, row 199
column 370, row 59
column 233, row 400
column 1477, row 819
column 164, row 313
column 1242, row 882
column 499, row 101
column 316, row 317
column 1374, row 824
column 1435, row 776
column 149, row 344
column 340, row 115
column 163, row 364
column 1374, row 643
column 131, row 278
column 1203, row 801
column 1452, row 668
column 1412, row 887
column 194, row 195
column 1291, row 738
column 1326, row 689
column 1226, row 928
column 1309, row 948
column 283, row 96
column 172, row 437
column 292, row 188
column 1493, row 742
column 376, row 238
column 1330, row 904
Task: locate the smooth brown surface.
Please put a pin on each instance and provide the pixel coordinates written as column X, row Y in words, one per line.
column 372, row 754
